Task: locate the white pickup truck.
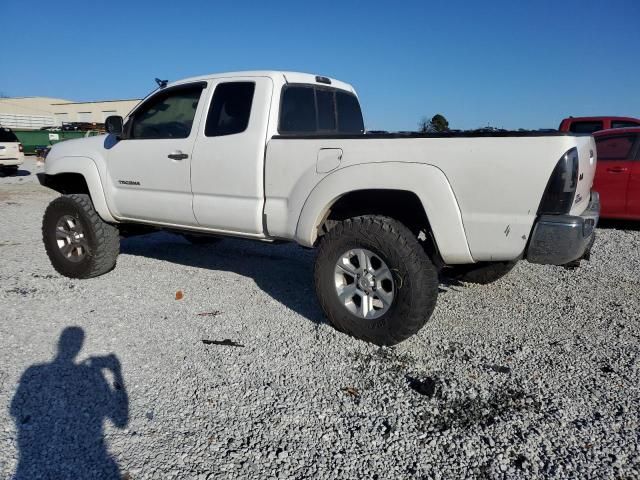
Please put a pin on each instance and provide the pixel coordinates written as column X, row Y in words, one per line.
column 284, row 156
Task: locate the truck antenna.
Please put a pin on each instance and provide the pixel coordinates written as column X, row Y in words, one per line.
column 161, row 83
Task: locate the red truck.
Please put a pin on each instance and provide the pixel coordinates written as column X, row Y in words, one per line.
column 617, row 177
column 593, row 124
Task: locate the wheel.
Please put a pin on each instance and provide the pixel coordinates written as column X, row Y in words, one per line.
column 200, row 239
column 374, row 280
column 481, row 273
column 78, row 242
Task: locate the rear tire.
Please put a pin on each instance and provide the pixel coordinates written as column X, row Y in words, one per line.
column 481, row 273
column 78, row 242
column 409, row 297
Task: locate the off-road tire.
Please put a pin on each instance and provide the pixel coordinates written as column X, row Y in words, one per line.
column 103, row 239
column 481, row 273
column 200, row 239
column 415, row 278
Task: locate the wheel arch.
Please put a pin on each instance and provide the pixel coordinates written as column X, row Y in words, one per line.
column 78, row 175
column 424, row 187
column 401, row 205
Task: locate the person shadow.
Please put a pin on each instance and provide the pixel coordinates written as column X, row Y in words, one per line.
column 59, row 410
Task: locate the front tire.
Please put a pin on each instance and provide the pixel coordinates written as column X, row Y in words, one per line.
column 374, row 280
column 78, row 242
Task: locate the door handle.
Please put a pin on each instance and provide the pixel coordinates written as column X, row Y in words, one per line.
column 616, row 169
column 177, row 155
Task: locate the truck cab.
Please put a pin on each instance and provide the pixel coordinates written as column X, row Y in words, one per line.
column 192, row 154
column 594, row 124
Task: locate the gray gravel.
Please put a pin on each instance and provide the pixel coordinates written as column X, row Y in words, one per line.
column 535, row 376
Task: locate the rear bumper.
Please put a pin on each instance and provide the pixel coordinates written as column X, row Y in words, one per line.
column 561, row 239
column 10, row 162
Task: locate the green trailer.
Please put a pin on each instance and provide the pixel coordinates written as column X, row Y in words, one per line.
column 31, row 139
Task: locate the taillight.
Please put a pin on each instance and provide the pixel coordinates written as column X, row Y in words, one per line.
column 20, row 147
column 561, row 188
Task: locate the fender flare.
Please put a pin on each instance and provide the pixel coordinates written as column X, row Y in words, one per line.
column 428, row 182
column 86, row 167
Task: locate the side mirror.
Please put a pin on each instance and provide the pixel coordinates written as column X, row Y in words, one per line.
column 113, row 125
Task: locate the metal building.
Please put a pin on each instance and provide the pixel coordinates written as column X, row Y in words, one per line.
column 38, row 112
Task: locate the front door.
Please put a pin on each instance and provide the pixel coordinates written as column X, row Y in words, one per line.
column 150, row 167
column 612, row 173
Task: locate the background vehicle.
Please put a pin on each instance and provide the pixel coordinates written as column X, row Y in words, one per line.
column 618, row 172
column 283, row 156
column 593, row 124
column 35, row 139
column 11, row 155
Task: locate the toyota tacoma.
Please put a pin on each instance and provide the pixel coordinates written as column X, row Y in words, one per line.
column 276, row 156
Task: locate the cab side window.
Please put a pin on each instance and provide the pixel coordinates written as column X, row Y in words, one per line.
column 230, row 109
column 585, row 127
column 167, row 114
column 349, row 114
column 298, row 111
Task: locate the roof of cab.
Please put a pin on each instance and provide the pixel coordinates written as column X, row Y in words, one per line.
column 288, row 77
column 597, row 117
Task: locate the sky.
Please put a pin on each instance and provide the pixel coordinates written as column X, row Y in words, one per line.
column 508, row 64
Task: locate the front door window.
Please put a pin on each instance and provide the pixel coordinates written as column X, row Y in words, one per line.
column 167, row 115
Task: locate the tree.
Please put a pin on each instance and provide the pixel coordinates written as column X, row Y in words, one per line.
column 437, row 124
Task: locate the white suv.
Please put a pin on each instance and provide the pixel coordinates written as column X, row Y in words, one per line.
column 11, row 153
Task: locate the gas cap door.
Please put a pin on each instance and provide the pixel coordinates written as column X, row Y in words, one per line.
column 328, row 159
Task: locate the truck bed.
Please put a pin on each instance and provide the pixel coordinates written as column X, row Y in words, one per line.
column 462, row 134
column 496, row 180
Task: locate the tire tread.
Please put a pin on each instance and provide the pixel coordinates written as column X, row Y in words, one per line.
column 106, row 249
column 375, row 229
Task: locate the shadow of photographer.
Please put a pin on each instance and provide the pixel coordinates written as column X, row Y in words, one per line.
column 59, row 410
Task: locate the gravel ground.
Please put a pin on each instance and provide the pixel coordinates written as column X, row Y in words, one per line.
column 534, row 376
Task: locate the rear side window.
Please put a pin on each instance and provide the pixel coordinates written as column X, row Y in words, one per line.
column 298, row 111
column 230, row 109
column 618, row 147
column 623, row 124
column 7, row 135
column 167, row 114
column 319, row 110
column 585, row 127
column 349, row 114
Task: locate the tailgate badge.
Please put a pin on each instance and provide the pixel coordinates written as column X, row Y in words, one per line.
column 578, row 198
column 590, row 157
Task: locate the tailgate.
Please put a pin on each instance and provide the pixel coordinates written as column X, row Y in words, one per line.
column 587, row 156
column 8, row 150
